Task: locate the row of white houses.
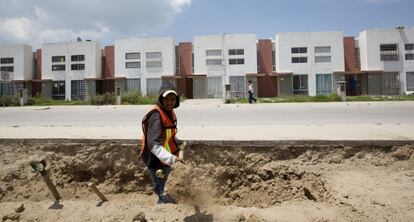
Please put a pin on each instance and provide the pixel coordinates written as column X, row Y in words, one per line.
column 377, row 62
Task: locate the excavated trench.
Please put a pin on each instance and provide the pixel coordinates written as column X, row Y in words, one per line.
column 246, row 175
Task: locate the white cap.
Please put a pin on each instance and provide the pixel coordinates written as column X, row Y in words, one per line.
column 165, row 94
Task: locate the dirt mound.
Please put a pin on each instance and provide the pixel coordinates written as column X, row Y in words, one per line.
column 231, row 175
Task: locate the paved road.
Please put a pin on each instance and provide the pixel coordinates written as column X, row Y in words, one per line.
column 212, row 120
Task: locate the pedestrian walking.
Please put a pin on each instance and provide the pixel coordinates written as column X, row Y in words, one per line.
column 250, row 92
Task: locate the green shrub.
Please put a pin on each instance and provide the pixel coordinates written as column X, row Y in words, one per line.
column 9, row 101
column 104, row 99
column 135, row 98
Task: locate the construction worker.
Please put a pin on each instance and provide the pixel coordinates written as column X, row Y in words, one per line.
column 160, row 148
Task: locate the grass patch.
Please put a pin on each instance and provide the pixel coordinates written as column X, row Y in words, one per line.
column 135, row 98
column 380, row 98
column 42, row 101
column 322, row 98
column 128, row 98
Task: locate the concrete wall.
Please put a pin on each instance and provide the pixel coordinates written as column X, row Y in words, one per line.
column 22, row 61
column 143, row 45
column 285, row 41
column 224, row 43
column 93, row 62
column 370, row 41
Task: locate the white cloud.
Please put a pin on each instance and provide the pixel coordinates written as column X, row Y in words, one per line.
column 178, row 4
column 15, row 28
column 42, row 21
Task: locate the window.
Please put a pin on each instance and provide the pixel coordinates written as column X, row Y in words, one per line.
column 77, row 58
column 323, row 84
column 6, row 88
column 388, row 47
column 299, row 59
column 322, row 49
column 410, row 81
column 154, row 64
column 300, row 84
column 58, row 58
column 236, row 51
column 237, row 86
column 132, row 65
column 213, row 52
column 299, row 50
column 6, row 60
column 133, row 55
column 214, row 62
column 78, row 89
column 7, row 68
column 409, row 46
column 389, row 52
column 322, row 59
column 58, row 67
column 236, row 61
column 214, row 87
column 153, row 85
column 133, row 85
column 177, row 60
column 58, row 90
column 77, row 67
column 153, row 55
column 409, row 56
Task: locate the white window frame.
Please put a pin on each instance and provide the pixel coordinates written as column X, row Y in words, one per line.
column 213, row 52
column 323, row 59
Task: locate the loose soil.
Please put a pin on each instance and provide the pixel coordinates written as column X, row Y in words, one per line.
column 251, row 182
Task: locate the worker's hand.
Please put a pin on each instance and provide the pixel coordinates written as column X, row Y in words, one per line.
column 180, row 157
column 182, row 146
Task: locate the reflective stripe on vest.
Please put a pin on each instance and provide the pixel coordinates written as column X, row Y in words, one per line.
column 169, row 130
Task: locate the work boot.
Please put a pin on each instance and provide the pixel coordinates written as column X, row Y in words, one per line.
column 169, row 199
column 161, row 200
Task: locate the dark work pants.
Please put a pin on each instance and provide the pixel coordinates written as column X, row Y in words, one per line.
column 159, row 183
column 251, row 98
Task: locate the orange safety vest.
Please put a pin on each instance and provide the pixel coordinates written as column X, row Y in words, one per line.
column 169, row 130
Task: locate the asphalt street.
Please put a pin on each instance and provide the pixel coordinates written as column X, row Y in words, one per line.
column 213, row 120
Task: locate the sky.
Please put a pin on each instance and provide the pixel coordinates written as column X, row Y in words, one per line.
column 35, row 22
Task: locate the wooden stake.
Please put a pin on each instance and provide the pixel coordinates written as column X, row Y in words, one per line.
column 97, row 192
column 51, row 187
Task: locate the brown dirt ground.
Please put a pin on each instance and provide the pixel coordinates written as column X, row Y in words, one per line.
column 217, row 183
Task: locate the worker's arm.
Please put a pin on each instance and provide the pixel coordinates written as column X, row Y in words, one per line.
column 154, row 138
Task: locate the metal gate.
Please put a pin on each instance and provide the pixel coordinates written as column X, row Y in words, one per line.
column 391, row 83
column 199, row 87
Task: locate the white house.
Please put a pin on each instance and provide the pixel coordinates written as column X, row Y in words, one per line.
column 16, row 68
column 315, row 59
column 70, row 69
column 390, row 52
column 224, row 60
column 140, row 63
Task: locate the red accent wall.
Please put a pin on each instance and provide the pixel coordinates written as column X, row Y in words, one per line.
column 109, row 66
column 267, row 86
column 265, row 56
column 185, row 52
column 349, row 54
column 38, row 65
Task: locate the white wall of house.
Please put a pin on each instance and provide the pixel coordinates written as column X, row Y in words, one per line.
column 225, row 42
column 284, row 42
column 22, row 61
column 165, row 45
column 92, row 62
column 370, row 41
